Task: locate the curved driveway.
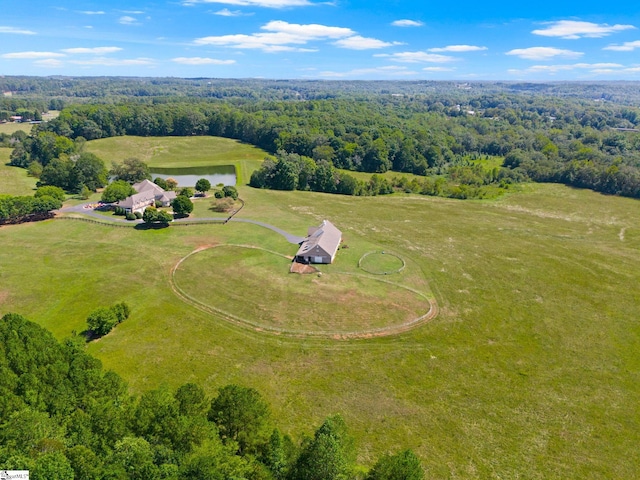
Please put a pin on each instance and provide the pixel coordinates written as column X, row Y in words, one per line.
column 89, row 212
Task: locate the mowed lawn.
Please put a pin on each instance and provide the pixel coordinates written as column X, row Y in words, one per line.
column 180, row 152
column 219, row 278
column 530, row 370
column 14, row 180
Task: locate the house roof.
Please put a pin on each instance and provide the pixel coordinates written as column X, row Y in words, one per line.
column 167, row 196
column 323, row 240
column 136, row 199
column 145, row 185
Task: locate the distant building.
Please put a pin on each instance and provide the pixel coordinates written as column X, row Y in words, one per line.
column 321, row 244
column 148, row 193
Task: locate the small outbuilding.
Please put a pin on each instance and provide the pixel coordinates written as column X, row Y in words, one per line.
column 321, row 244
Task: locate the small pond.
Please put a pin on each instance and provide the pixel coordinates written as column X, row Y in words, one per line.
column 188, row 176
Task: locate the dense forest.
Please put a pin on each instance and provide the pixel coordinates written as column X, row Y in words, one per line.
column 62, row 417
column 584, row 139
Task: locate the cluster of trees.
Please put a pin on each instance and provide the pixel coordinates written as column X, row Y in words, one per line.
column 59, row 161
column 290, row 171
column 63, row 417
column 421, row 135
column 102, row 320
column 17, row 209
column 415, row 127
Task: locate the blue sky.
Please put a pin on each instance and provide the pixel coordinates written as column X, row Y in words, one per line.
column 334, row 40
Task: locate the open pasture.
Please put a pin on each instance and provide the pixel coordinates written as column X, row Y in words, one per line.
column 220, row 278
column 181, row 152
column 14, row 180
column 530, row 369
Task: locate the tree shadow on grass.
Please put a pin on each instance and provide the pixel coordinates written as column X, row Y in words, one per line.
column 151, row 226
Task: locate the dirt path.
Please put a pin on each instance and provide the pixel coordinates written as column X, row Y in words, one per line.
column 333, row 335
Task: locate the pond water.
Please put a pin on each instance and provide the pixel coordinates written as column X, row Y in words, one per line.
column 188, row 176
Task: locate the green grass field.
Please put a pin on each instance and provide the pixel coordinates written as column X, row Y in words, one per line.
column 530, row 370
column 14, row 180
column 219, row 279
column 176, row 152
column 12, row 127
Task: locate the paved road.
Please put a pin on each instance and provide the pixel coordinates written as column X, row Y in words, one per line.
column 90, row 213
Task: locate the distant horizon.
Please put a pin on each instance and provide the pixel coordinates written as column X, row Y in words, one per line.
column 325, row 80
column 324, row 40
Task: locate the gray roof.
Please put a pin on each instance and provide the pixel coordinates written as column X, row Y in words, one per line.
column 322, row 241
column 145, row 185
column 137, row 199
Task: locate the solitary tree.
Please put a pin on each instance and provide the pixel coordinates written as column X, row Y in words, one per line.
column 131, row 170
column 401, row 466
column 116, row 191
column 102, row 320
column 203, row 186
column 182, row 206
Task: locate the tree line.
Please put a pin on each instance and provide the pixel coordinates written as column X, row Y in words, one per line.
column 425, row 135
column 62, row 417
column 24, row 208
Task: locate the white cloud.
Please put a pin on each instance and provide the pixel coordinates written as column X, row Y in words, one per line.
column 132, row 12
column 17, row 31
column 280, row 37
column 438, row 69
column 625, row 47
column 225, row 12
column 458, row 48
column 553, row 69
column 407, row 23
column 113, row 62
column 201, row 61
column 571, row 29
column 361, row 43
column 49, row 63
column 310, row 31
column 543, row 53
column 391, row 70
column 417, row 57
column 127, row 20
column 92, row 51
column 254, row 3
column 31, row 55
column 91, row 12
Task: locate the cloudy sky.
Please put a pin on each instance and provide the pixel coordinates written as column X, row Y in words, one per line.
column 312, row 39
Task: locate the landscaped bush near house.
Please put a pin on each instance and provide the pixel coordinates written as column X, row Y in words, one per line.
column 119, row 211
column 138, row 215
column 130, row 216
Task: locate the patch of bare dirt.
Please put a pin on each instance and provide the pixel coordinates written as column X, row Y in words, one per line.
column 302, row 268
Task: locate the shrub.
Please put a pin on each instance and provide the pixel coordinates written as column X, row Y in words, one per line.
column 121, row 311
column 186, row 192
column 130, row 216
column 218, row 194
column 223, row 205
column 230, row 191
column 138, row 215
column 102, row 320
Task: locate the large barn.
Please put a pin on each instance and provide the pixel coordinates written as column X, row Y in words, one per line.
column 321, row 244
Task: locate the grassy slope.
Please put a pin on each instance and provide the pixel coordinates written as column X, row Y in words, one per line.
column 530, row 370
column 11, row 127
column 14, row 180
column 175, row 152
